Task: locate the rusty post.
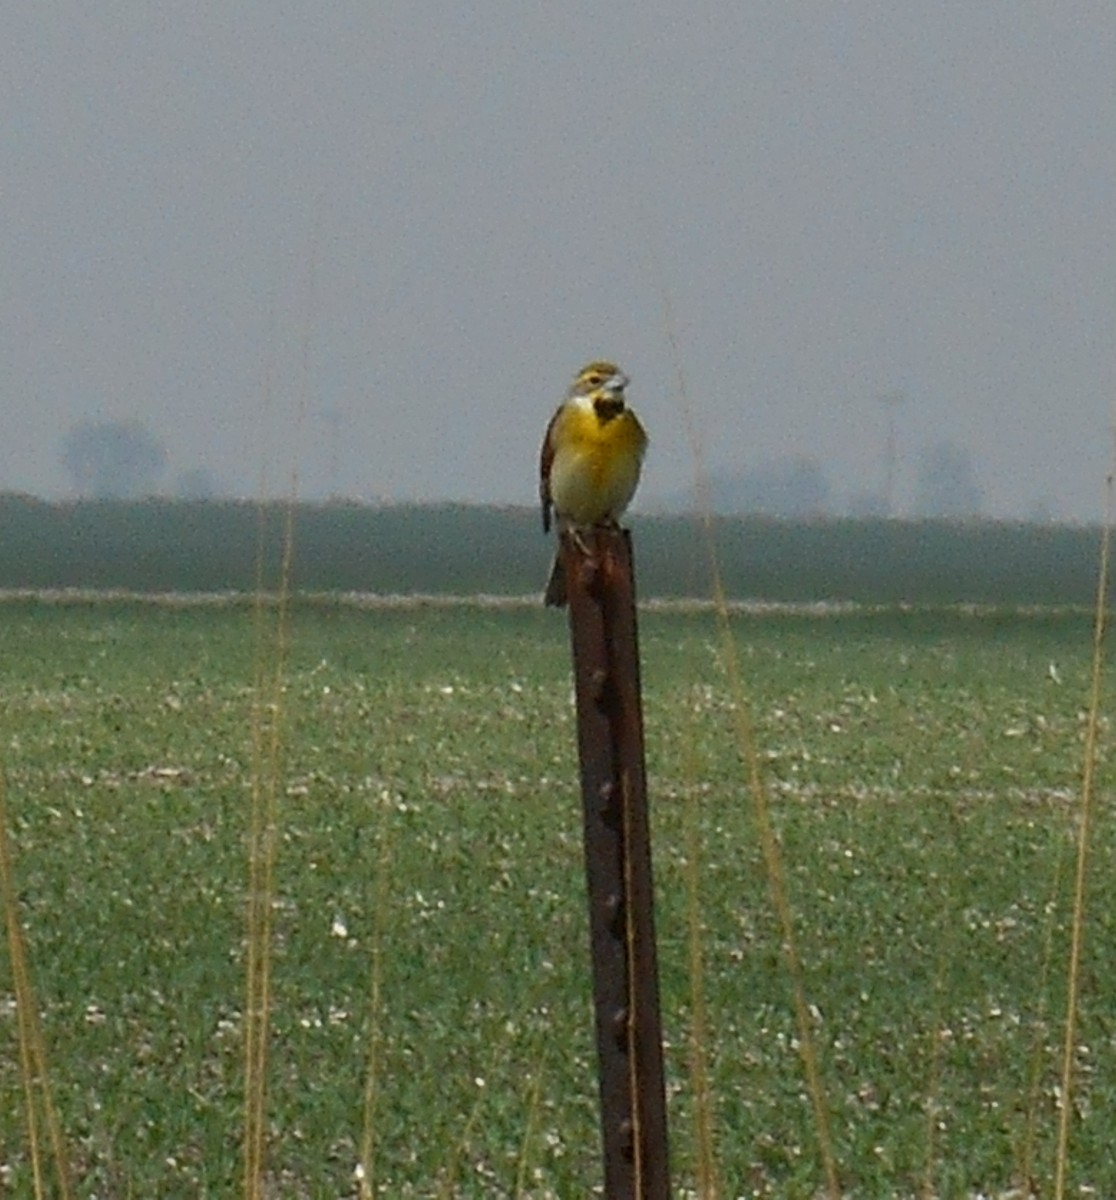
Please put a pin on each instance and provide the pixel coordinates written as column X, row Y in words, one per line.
column 601, row 594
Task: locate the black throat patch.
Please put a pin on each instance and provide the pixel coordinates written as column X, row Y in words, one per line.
column 607, row 407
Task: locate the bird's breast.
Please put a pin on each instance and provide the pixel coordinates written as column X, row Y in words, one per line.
column 596, row 464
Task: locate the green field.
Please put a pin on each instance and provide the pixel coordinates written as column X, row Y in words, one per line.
column 924, row 777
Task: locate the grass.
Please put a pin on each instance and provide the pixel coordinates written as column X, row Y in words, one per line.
column 924, row 774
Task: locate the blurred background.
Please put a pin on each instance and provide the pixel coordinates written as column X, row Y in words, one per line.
column 370, row 245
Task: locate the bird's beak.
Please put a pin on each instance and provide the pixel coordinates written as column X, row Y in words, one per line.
column 617, row 383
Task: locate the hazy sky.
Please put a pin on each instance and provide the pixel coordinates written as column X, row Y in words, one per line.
column 376, row 240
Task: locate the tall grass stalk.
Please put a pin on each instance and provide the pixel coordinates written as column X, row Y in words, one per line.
column 748, row 749
column 270, row 661
column 367, row 1180
column 270, row 672
column 705, row 1153
column 707, row 1177
column 524, row 1158
column 1088, row 774
column 38, row 1099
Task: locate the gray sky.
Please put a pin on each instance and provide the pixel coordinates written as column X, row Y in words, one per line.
column 383, row 237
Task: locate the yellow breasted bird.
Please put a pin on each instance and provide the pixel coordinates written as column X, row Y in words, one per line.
column 590, row 461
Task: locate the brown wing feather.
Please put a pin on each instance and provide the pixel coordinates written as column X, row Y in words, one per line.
column 546, row 460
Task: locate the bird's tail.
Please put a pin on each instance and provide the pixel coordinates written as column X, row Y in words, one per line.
column 556, row 585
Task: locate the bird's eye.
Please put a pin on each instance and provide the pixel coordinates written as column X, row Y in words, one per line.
column 593, row 378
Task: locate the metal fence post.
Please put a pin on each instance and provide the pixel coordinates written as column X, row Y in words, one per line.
column 601, row 593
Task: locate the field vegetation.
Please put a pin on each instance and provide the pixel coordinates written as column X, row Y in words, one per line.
column 430, row 1024
column 167, row 545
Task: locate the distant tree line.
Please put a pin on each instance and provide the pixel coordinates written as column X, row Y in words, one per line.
column 123, row 460
column 168, row 545
column 946, row 485
column 113, row 460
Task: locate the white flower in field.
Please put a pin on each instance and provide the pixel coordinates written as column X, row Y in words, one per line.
column 339, row 929
column 1053, row 673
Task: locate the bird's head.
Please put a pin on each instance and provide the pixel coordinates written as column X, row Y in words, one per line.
column 602, row 384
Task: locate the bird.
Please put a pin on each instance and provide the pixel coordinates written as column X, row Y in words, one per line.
column 590, row 461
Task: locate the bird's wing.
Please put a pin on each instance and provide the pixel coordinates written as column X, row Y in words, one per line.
column 546, row 460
